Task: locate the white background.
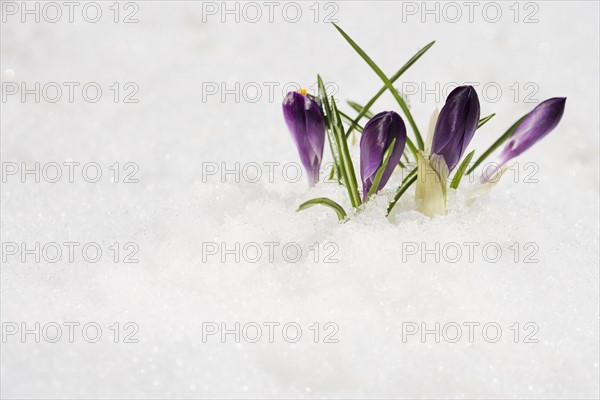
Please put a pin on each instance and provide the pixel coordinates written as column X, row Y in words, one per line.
column 171, row 54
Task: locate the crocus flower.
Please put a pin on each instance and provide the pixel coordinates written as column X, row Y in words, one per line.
column 536, row 125
column 453, row 131
column 377, row 136
column 456, row 125
column 305, row 121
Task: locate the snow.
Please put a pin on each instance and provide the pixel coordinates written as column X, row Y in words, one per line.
column 385, row 282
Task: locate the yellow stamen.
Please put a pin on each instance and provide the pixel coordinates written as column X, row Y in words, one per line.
column 302, row 91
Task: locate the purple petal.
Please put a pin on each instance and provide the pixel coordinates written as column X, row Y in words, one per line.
column 315, row 128
column 376, row 138
column 535, row 126
column 305, row 121
column 456, row 125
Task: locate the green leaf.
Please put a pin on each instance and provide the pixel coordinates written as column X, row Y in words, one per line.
column 346, row 166
column 482, row 121
column 460, row 172
column 406, row 183
column 329, row 129
column 387, row 83
column 359, row 109
column 393, row 78
column 496, row 144
column 379, row 173
column 411, row 147
column 349, row 120
column 339, row 210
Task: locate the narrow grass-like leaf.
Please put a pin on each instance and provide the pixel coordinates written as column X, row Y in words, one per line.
column 379, row 173
column 496, row 144
column 482, row 121
column 411, row 147
column 335, row 170
column 359, row 109
column 393, row 78
column 346, row 166
column 406, row 183
column 387, row 83
column 349, row 119
column 324, row 201
column 460, row 172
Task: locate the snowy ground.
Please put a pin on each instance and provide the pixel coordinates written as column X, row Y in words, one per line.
column 389, row 279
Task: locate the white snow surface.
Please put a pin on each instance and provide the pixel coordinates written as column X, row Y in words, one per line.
column 375, row 291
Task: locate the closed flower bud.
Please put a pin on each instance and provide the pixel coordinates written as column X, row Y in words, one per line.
column 377, row 136
column 456, row 125
column 306, row 123
column 536, row 125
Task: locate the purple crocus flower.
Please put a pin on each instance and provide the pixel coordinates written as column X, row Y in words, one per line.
column 375, row 140
column 305, row 121
column 456, row 125
column 536, row 125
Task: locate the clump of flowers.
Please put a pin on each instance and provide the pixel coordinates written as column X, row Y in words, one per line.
column 384, row 141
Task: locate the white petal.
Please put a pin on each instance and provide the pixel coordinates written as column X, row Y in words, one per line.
column 430, row 192
column 431, row 129
column 485, row 187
